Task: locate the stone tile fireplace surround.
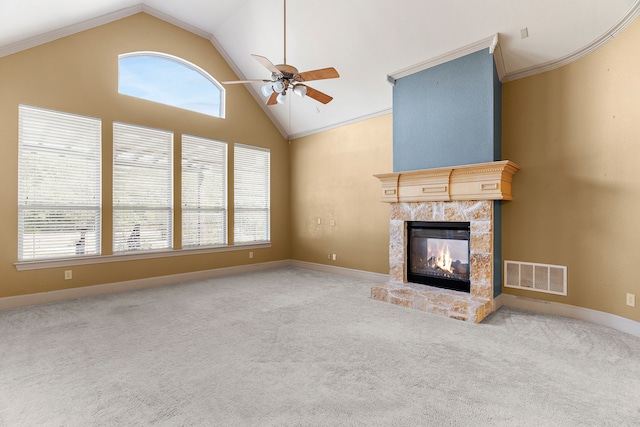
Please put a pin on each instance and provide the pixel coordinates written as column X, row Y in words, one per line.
column 455, row 194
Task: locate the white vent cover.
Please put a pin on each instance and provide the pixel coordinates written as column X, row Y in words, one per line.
column 551, row 279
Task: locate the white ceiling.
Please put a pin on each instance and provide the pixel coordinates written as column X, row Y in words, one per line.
column 365, row 40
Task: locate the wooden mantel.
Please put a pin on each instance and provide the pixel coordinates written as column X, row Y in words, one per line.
column 480, row 181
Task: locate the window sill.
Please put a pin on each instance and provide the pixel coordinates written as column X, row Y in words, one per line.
column 132, row 256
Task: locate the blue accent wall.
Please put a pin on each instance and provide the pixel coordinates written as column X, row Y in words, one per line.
column 497, row 114
column 451, row 115
column 448, row 115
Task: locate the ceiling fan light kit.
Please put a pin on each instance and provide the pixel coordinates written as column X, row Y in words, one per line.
column 285, row 77
column 267, row 90
column 300, row 90
column 279, row 86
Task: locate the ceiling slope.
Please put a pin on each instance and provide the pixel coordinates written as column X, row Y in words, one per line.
column 369, row 42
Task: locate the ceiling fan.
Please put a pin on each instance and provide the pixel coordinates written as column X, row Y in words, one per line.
column 286, row 77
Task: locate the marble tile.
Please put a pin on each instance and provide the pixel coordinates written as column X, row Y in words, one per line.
column 473, row 306
column 401, row 211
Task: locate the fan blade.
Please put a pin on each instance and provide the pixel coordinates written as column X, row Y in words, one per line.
column 317, row 95
column 267, row 64
column 321, row 74
column 272, row 99
column 246, row 81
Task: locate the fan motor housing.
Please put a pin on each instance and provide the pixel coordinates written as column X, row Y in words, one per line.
column 288, row 71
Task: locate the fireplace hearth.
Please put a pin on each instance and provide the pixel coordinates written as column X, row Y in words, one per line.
column 441, row 245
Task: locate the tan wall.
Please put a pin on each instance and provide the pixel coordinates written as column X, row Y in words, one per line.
column 79, row 74
column 332, row 179
column 575, row 132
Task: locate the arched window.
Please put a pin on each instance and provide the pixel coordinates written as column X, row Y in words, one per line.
column 169, row 80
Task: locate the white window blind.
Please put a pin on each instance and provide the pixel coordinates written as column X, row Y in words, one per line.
column 204, row 192
column 59, row 179
column 251, row 194
column 142, row 188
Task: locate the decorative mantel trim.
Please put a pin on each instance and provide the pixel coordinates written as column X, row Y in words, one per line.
column 480, row 181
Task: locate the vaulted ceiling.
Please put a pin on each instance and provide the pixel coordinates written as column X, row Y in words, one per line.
column 365, row 40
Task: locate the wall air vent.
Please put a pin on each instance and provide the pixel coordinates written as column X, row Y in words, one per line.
column 551, row 279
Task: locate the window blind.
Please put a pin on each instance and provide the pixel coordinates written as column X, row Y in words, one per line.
column 59, row 184
column 251, row 194
column 204, row 192
column 142, row 188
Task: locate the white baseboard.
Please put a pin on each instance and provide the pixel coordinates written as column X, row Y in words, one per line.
column 131, row 285
column 558, row 309
column 599, row 317
column 356, row 274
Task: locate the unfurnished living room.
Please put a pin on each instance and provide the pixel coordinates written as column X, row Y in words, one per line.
column 296, row 213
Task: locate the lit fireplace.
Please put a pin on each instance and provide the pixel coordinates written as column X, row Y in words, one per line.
column 438, row 254
column 441, row 238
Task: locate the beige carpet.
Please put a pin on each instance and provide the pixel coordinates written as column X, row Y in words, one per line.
column 291, row 347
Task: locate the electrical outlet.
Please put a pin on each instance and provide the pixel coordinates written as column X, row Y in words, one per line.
column 328, row 256
column 631, row 300
column 68, row 275
column 334, row 257
column 250, row 255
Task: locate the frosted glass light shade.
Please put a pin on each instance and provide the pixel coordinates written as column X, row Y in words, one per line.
column 278, row 86
column 267, row 90
column 300, row 90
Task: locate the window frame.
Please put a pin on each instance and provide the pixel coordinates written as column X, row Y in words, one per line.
column 218, row 165
column 251, row 200
column 184, row 63
column 138, row 240
column 169, row 252
column 57, row 132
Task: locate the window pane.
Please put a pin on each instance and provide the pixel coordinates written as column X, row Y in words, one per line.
column 251, row 194
column 201, row 227
column 59, row 184
column 142, row 188
column 142, row 230
column 204, row 192
column 170, row 80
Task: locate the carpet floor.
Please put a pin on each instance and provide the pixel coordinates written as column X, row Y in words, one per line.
column 292, row 347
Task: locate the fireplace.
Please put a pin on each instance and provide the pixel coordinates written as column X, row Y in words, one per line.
column 438, row 254
column 441, row 238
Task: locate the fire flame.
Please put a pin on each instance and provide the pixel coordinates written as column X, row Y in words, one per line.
column 443, row 260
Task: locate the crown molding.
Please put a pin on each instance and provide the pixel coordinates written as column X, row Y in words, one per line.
column 499, row 60
column 175, row 21
column 96, row 22
column 69, row 30
column 494, row 48
column 613, row 31
column 126, row 12
column 340, row 124
column 492, row 43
